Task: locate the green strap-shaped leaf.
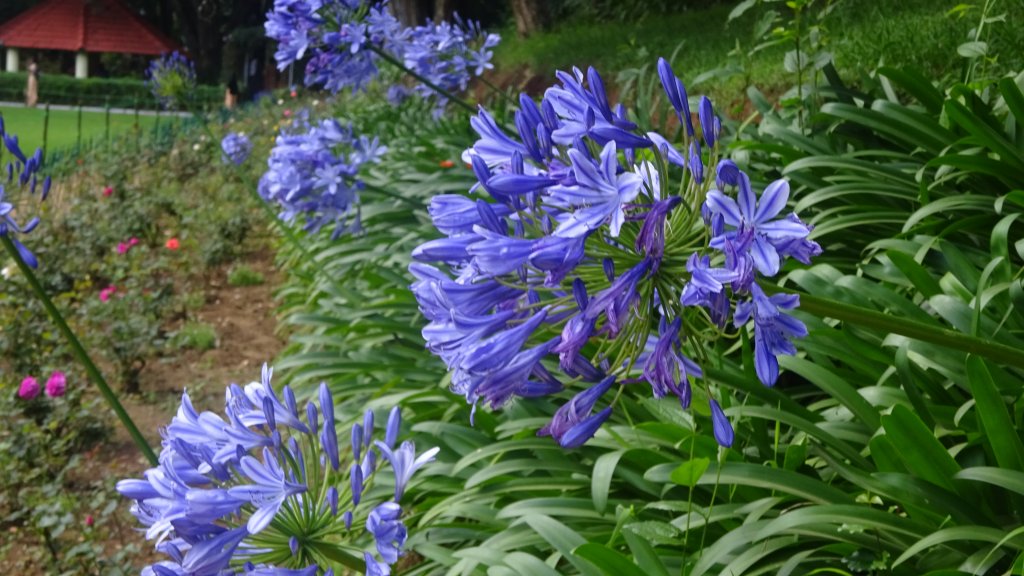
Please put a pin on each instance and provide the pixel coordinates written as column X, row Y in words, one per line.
column 609, row 561
column 916, row 273
column 644, row 554
column 986, row 136
column 954, row 534
column 601, row 481
column 563, row 539
column 950, row 204
column 922, row 453
column 917, row 85
column 834, row 386
column 999, row 431
column 523, row 563
column 1014, row 99
column 1008, row 479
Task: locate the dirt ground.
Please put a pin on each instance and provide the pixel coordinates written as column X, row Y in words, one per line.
column 244, row 319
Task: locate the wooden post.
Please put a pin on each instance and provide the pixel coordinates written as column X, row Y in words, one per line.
column 106, row 128
column 138, row 144
column 78, row 142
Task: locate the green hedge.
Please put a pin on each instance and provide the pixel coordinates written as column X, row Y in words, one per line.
column 117, row 92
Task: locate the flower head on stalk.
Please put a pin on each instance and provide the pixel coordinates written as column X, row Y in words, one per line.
column 343, row 40
column 257, row 491
column 172, row 79
column 22, row 180
column 236, row 148
column 584, row 234
column 313, row 174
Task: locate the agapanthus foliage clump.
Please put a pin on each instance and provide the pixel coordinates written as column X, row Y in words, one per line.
column 621, row 254
column 268, row 489
column 344, row 41
column 313, row 172
column 172, row 79
column 21, row 177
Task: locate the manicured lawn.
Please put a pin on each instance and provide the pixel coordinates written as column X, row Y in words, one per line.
column 27, row 124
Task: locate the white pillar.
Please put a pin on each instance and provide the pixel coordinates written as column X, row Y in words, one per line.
column 12, row 59
column 81, row 65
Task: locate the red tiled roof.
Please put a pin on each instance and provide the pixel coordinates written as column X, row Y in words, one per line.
column 89, row 25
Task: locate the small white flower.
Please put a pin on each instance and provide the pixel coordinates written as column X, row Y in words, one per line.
column 7, row 271
column 280, row 102
column 196, row 146
column 316, row 102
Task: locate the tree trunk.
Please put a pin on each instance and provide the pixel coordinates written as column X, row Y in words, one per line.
column 408, row 12
column 530, row 15
column 442, row 10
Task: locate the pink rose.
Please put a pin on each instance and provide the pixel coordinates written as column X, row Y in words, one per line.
column 172, row 244
column 133, row 241
column 29, row 388
column 89, row 520
column 57, row 385
column 122, row 247
column 108, row 191
column 107, row 292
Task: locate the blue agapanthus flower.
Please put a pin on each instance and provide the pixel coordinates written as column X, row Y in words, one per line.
column 172, row 79
column 22, row 181
column 341, row 42
column 262, row 489
column 607, row 249
column 313, row 174
column 236, row 148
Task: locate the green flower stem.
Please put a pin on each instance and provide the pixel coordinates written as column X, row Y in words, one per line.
column 79, row 351
column 501, row 93
column 394, row 62
column 824, row 307
column 281, row 225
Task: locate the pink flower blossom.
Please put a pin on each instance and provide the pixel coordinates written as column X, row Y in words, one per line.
column 172, row 244
column 107, row 292
column 89, row 521
column 124, row 247
column 108, row 191
column 57, row 385
column 29, row 388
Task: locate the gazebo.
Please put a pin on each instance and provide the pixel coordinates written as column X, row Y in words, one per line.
column 82, row 27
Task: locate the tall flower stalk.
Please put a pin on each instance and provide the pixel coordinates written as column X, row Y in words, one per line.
column 23, row 176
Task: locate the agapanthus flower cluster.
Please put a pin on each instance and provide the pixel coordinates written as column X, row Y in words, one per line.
column 343, row 40
column 608, row 249
column 22, row 177
column 268, row 489
column 172, row 79
column 313, row 172
column 236, row 148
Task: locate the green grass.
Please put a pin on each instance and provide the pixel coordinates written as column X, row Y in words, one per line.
column 242, row 275
column 27, row 124
column 195, row 336
column 860, row 35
